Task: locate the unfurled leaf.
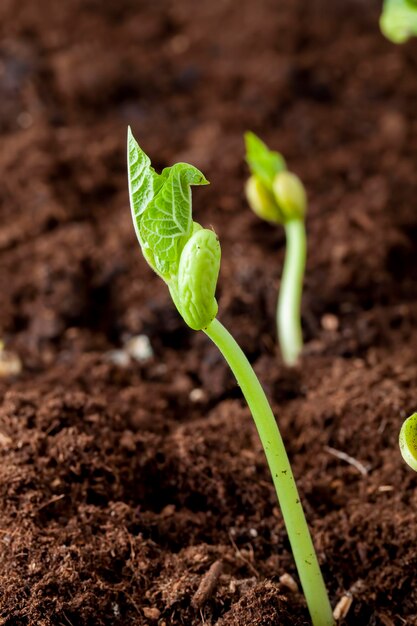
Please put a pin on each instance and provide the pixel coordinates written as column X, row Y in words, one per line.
column 142, row 178
column 161, row 208
column 263, row 162
column 167, row 222
column 399, row 20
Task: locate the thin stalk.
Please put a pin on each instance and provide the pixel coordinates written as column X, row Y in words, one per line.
column 289, row 301
column 279, row 465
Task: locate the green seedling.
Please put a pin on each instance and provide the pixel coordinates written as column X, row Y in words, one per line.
column 398, row 21
column 187, row 258
column 278, row 196
column 408, row 441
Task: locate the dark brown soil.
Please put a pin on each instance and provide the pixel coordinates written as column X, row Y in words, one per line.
column 139, row 494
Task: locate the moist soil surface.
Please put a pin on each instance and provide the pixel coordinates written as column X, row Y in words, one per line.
column 135, row 490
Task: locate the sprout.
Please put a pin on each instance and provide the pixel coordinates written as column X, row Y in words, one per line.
column 408, row 441
column 187, row 257
column 398, row 21
column 277, row 195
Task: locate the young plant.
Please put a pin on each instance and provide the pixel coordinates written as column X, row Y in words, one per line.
column 398, row 21
column 278, row 196
column 408, row 441
column 187, row 258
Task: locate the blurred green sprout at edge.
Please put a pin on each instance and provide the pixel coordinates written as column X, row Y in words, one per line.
column 277, row 195
column 408, row 441
column 398, row 21
column 187, row 258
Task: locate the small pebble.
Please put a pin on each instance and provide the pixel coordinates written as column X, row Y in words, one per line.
column 139, row 348
column 342, row 607
column 197, row 395
column 10, row 363
column 151, row 612
column 288, row 581
column 5, row 440
column 168, row 510
column 329, row 322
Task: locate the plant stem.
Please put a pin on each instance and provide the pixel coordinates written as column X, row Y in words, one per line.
column 279, row 465
column 289, row 301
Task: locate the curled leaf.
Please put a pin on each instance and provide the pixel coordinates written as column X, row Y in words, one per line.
column 166, row 224
column 142, row 178
column 161, row 208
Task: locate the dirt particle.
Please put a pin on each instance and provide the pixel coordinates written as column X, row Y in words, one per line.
column 10, row 363
column 288, row 581
column 342, row 608
column 207, row 584
column 151, row 613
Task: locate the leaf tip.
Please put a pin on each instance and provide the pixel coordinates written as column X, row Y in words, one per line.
column 251, row 140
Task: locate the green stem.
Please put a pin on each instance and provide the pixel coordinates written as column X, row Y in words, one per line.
column 289, row 301
column 279, row 465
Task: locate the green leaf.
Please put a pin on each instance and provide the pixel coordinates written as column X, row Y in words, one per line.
column 142, row 179
column 399, row 20
column 161, row 208
column 167, row 222
column 262, row 161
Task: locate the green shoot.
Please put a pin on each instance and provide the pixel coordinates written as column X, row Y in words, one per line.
column 187, row 257
column 278, row 196
column 398, row 21
column 408, row 441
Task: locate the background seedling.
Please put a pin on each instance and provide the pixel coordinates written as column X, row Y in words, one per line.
column 399, row 20
column 187, row 257
column 408, row 441
column 398, row 23
column 278, row 196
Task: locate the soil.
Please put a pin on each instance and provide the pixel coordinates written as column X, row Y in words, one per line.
column 137, row 492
